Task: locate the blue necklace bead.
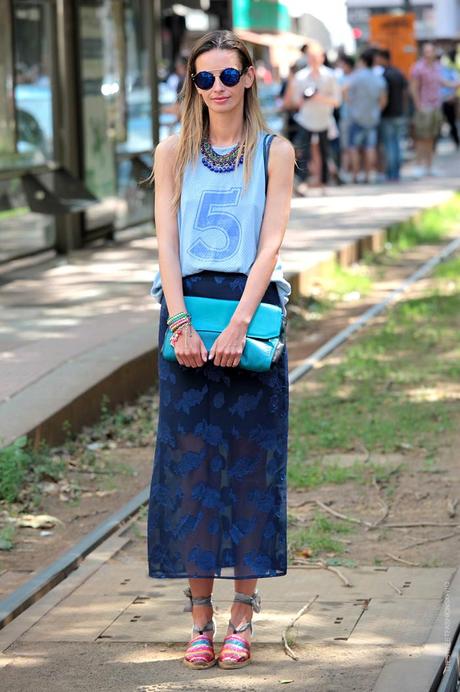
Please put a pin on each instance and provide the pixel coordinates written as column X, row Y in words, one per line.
column 219, row 163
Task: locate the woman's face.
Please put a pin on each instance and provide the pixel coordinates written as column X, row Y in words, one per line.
column 220, row 98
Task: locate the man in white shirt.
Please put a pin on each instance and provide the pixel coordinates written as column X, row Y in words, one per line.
column 315, row 91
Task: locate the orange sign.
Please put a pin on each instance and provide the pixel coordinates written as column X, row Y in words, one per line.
column 396, row 33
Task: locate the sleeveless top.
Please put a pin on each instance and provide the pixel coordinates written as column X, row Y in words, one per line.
column 219, row 221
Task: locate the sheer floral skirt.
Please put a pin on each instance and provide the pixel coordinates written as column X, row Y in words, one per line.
column 218, row 490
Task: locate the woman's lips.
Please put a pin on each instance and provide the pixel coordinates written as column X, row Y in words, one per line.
column 221, row 99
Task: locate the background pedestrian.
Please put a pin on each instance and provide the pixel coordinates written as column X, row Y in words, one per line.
column 450, row 73
column 366, row 95
column 392, row 117
column 426, row 80
column 315, row 91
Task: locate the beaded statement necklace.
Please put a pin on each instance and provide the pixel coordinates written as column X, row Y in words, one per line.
column 219, row 163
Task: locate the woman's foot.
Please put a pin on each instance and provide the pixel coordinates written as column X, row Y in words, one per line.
column 200, row 649
column 236, row 647
column 239, row 615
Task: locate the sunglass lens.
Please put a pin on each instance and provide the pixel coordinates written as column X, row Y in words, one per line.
column 204, row 80
column 230, row 77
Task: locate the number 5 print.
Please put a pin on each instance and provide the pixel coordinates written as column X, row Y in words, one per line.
column 211, row 216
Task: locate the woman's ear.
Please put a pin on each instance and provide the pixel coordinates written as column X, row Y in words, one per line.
column 249, row 77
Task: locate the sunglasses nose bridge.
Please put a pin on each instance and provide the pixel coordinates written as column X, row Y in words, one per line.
column 228, row 80
column 218, row 82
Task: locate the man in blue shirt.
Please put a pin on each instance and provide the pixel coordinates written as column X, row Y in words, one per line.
column 366, row 94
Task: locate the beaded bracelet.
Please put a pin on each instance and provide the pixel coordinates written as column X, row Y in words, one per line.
column 180, row 323
column 175, row 318
column 178, row 326
column 175, row 337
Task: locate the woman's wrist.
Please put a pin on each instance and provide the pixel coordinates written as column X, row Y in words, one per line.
column 241, row 321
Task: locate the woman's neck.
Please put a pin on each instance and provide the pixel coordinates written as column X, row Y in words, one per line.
column 224, row 129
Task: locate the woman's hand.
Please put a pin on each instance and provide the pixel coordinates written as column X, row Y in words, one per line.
column 190, row 350
column 229, row 345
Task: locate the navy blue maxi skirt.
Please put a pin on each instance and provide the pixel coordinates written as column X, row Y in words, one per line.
column 218, row 491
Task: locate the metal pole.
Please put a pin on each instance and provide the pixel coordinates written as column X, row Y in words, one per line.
column 69, row 233
column 153, row 28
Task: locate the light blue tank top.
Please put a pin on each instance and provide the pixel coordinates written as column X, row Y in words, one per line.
column 219, row 221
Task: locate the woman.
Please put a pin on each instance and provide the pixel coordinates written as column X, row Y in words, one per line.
column 218, row 493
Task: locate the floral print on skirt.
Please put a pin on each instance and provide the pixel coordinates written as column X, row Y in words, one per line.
column 218, row 490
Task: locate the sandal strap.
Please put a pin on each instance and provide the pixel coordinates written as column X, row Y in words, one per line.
column 255, row 601
column 210, row 625
column 241, row 628
column 198, row 600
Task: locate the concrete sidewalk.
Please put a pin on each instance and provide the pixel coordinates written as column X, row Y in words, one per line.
column 76, row 328
column 108, row 626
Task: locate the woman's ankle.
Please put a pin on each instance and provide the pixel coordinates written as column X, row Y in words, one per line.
column 202, row 615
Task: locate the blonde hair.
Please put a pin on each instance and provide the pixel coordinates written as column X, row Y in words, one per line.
column 195, row 116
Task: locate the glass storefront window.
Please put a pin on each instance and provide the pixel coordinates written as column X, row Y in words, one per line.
column 26, row 121
column 32, row 84
column 21, row 231
column 117, row 103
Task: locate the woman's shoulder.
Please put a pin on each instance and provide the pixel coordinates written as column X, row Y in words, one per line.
column 166, row 150
column 167, row 146
column 281, row 148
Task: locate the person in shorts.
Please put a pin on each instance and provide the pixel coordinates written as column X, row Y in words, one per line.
column 346, row 66
column 426, row 81
column 366, row 94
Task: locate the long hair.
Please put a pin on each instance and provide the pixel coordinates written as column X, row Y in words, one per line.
column 195, row 115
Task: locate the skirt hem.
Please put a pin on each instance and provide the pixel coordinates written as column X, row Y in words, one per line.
column 216, row 576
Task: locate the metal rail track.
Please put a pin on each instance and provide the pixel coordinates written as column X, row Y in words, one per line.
column 44, row 581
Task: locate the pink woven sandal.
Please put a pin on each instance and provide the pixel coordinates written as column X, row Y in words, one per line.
column 200, row 650
column 236, row 650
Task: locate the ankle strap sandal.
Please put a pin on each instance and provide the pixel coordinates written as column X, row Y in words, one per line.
column 236, row 650
column 195, row 600
column 200, row 650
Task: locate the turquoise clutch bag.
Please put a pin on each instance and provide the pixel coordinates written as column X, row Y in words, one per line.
column 265, row 337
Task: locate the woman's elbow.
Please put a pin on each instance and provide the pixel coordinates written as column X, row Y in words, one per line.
column 270, row 254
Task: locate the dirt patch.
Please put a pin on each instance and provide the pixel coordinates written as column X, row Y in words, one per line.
column 100, row 496
column 417, row 493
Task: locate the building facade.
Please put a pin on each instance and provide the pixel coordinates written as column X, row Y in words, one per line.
column 434, row 19
column 81, row 95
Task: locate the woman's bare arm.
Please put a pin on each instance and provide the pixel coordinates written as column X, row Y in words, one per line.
column 189, row 350
column 277, row 208
column 229, row 345
column 166, row 226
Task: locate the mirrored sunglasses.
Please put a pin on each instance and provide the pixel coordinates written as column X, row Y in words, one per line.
column 229, row 78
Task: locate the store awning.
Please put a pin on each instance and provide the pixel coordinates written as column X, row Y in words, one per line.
column 286, row 39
